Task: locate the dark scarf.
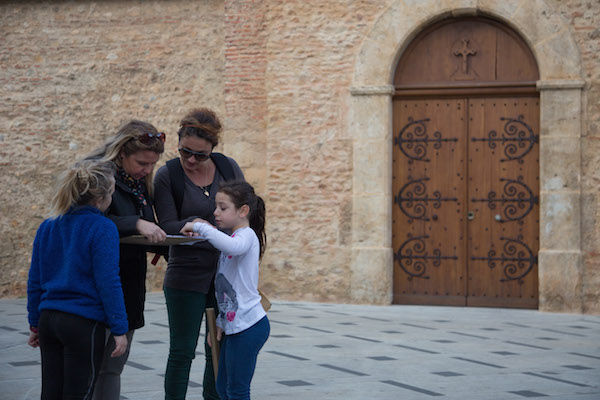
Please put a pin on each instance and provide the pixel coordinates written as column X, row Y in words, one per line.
column 137, row 187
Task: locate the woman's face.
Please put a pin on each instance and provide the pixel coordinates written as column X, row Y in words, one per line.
column 194, row 144
column 140, row 163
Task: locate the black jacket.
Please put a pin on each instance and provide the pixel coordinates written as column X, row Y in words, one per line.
column 132, row 258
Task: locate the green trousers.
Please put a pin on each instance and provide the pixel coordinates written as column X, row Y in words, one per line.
column 185, row 310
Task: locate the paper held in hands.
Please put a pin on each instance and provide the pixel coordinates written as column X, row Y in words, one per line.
column 171, row 240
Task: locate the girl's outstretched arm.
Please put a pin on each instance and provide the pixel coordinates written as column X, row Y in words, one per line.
column 232, row 245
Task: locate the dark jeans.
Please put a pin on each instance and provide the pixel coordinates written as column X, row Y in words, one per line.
column 71, row 348
column 237, row 360
column 185, row 310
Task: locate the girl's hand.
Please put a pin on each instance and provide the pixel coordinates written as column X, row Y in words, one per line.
column 219, row 336
column 34, row 339
column 188, row 229
column 120, row 346
column 150, row 231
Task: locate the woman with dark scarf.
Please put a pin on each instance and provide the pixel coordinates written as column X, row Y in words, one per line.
column 134, row 150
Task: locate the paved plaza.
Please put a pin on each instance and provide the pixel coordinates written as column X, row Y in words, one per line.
column 348, row 352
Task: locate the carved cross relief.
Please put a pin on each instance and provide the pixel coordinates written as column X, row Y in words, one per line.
column 463, row 49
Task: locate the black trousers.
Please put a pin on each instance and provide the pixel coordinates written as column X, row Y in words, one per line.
column 72, row 348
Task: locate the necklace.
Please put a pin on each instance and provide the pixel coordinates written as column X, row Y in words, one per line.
column 205, row 189
column 203, row 175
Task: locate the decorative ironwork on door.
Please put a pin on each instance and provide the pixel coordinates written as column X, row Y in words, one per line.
column 517, row 198
column 412, row 257
column 413, row 200
column 413, row 139
column 518, row 139
column 517, row 259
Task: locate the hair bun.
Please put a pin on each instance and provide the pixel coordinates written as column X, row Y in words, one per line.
column 203, row 123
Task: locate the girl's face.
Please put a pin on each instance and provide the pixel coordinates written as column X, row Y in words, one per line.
column 227, row 216
column 140, row 163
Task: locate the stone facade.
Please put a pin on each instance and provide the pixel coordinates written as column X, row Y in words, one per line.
column 71, row 73
column 304, row 92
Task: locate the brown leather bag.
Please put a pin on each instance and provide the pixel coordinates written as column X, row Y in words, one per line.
column 264, row 301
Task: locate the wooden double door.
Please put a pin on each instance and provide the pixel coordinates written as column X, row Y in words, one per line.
column 465, row 200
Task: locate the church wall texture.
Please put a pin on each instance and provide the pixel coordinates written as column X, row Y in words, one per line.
column 279, row 73
column 70, row 74
column 583, row 19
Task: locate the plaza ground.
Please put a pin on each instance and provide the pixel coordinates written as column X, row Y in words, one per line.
column 339, row 351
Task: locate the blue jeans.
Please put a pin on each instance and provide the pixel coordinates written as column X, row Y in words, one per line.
column 237, row 360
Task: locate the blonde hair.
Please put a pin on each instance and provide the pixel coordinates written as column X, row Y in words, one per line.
column 84, row 183
column 125, row 142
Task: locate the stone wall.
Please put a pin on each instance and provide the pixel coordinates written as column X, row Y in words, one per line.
column 311, row 53
column 584, row 20
column 70, row 74
column 279, row 73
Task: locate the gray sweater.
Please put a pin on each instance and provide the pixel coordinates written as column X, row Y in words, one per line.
column 190, row 267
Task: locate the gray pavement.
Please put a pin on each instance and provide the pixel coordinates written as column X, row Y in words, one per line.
column 338, row 351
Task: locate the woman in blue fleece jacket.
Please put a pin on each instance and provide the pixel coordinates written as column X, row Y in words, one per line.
column 74, row 290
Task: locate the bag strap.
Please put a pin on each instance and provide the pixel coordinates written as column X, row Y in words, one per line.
column 223, row 165
column 177, row 181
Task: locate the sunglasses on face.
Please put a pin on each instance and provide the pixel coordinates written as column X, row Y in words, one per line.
column 146, row 138
column 199, row 155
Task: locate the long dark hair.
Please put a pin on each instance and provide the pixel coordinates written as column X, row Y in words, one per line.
column 241, row 193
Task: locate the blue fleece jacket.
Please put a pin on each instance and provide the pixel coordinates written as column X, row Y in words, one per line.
column 75, row 269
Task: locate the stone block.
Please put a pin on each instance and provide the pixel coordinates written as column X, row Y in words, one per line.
column 560, row 227
column 371, row 221
column 590, row 166
column 461, row 8
column 560, row 113
column 548, row 23
column 559, row 47
column 559, row 164
column 502, row 9
column 371, row 275
column 591, row 283
column 372, row 167
column 370, row 118
column 246, row 153
column 590, row 222
column 560, row 281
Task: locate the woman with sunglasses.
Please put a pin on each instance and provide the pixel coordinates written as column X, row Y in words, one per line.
column 134, row 150
column 191, row 269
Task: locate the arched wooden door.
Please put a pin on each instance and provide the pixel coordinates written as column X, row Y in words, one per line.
column 466, row 168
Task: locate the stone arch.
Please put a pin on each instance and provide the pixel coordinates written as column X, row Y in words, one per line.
column 370, row 126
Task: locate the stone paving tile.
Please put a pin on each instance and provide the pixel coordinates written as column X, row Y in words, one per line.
column 331, row 351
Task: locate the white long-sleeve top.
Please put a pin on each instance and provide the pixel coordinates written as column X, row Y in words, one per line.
column 236, row 283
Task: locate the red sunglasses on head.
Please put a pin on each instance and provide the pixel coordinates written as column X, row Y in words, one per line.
column 146, row 138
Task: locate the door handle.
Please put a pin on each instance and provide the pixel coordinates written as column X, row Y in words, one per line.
column 470, row 215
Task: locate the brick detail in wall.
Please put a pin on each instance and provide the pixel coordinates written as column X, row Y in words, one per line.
column 245, row 86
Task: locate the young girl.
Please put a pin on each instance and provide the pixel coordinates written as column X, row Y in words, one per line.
column 74, row 288
column 241, row 316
